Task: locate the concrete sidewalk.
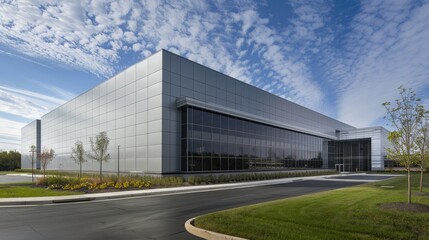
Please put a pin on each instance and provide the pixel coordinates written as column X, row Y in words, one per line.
column 25, row 175
column 177, row 190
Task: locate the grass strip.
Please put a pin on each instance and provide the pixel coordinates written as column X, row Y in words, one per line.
column 350, row 213
column 30, row 190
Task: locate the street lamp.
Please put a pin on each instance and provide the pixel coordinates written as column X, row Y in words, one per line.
column 32, row 150
column 118, row 160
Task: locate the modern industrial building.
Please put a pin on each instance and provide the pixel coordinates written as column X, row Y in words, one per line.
column 30, row 136
column 167, row 114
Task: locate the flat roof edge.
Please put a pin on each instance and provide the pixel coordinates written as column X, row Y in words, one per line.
column 187, row 101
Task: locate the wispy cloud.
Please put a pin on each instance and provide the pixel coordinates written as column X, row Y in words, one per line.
column 24, row 58
column 20, row 104
column 236, row 40
column 230, row 37
column 387, row 47
column 82, row 34
column 10, row 134
column 62, row 94
column 345, row 68
column 33, row 95
column 27, row 105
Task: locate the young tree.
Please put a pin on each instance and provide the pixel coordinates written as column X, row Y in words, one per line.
column 422, row 143
column 46, row 157
column 78, row 155
column 404, row 117
column 99, row 150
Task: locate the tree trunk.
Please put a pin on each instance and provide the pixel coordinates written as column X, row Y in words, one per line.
column 44, row 175
column 32, row 167
column 409, row 185
column 80, row 170
column 421, row 177
column 101, row 169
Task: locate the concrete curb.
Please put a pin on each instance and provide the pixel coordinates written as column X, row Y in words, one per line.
column 162, row 191
column 112, row 195
column 206, row 234
column 145, row 192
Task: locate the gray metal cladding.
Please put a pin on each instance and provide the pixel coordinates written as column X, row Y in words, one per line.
column 137, row 108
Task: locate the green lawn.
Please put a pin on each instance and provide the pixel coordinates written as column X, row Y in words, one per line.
column 350, row 213
column 29, row 190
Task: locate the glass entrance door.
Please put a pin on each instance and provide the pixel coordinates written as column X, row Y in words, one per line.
column 350, row 155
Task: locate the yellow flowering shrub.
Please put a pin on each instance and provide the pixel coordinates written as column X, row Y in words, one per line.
column 111, row 182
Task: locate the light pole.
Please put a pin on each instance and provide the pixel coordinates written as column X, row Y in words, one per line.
column 32, row 150
column 118, row 160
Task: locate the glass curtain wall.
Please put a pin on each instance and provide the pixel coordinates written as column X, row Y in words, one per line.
column 353, row 155
column 217, row 142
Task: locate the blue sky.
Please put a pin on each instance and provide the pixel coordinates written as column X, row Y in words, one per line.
column 341, row 58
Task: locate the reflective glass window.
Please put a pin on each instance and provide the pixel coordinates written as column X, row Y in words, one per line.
column 217, row 142
column 216, row 120
column 206, row 133
column 216, row 134
column 207, row 164
column 207, row 119
column 215, row 164
column 224, row 122
column 197, row 116
column 232, row 123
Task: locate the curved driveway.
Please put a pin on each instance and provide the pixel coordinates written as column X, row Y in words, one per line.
column 151, row 217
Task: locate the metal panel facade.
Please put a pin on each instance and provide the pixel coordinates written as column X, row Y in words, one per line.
column 127, row 107
column 184, row 78
column 137, row 108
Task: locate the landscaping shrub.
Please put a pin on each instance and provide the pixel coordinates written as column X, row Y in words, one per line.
column 109, row 182
column 56, row 180
column 226, row 178
column 135, row 181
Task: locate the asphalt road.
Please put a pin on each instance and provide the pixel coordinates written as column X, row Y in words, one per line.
column 152, row 217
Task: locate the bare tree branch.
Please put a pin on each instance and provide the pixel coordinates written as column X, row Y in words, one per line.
column 99, row 150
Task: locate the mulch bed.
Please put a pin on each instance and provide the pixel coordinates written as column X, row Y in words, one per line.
column 106, row 190
column 405, row 207
column 420, row 193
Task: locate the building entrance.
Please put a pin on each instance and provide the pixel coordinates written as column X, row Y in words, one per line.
column 350, row 155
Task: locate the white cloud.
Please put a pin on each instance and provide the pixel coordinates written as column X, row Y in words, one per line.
column 81, row 34
column 93, row 35
column 28, row 105
column 386, row 48
column 23, row 105
column 24, row 58
column 61, row 94
column 10, row 134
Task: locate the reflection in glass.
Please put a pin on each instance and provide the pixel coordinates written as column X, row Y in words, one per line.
column 217, row 142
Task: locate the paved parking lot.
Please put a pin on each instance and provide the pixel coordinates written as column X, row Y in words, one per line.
column 150, row 217
column 155, row 217
column 14, row 179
